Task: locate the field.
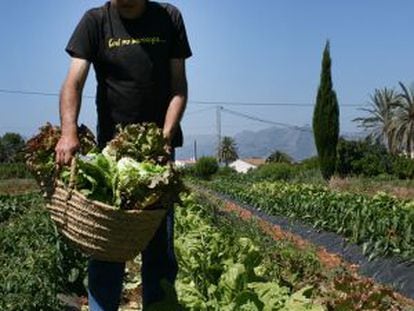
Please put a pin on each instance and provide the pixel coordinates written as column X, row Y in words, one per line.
column 229, row 258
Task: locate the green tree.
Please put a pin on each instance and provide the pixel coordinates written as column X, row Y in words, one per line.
column 403, row 127
column 11, row 148
column 2, row 153
column 326, row 119
column 380, row 120
column 279, row 157
column 228, row 150
column 205, row 167
column 364, row 157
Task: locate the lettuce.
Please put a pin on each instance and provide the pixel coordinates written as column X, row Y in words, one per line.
column 126, row 183
column 140, row 184
column 96, row 177
column 142, row 142
column 40, row 153
column 131, row 172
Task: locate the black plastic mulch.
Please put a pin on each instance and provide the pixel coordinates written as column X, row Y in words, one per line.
column 389, row 271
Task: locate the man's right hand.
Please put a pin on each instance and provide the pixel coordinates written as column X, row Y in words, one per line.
column 70, row 101
column 66, row 148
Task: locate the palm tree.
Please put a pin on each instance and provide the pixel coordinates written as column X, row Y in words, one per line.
column 380, row 122
column 228, row 150
column 403, row 127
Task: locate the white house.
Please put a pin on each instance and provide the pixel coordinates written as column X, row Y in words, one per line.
column 184, row 163
column 244, row 165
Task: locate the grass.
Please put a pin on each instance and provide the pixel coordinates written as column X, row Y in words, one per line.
column 13, row 170
column 403, row 189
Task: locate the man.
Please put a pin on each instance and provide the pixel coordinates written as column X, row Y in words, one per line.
column 138, row 49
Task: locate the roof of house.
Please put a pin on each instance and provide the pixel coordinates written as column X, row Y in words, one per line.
column 242, row 166
column 186, row 161
column 255, row 161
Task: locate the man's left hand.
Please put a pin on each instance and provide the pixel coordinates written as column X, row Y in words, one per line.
column 168, row 142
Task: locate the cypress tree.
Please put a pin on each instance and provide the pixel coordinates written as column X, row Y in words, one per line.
column 326, row 119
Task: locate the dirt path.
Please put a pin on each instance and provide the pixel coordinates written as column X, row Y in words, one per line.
column 17, row 186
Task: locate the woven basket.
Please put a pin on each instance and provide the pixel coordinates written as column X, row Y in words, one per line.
column 99, row 230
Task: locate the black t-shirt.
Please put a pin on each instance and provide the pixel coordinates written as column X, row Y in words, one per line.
column 132, row 63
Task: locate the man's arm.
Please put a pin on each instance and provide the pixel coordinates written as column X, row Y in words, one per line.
column 178, row 101
column 70, row 102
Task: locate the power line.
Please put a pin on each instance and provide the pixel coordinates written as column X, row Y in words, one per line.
column 20, row 92
column 254, row 118
column 195, row 102
column 230, row 103
column 198, row 111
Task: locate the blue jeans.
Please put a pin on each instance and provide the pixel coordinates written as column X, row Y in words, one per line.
column 158, row 262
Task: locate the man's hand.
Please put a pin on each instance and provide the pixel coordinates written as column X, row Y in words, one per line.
column 168, row 141
column 70, row 102
column 178, row 101
column 66, row 148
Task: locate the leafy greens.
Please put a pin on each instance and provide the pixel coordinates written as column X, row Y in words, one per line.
column 131, row 172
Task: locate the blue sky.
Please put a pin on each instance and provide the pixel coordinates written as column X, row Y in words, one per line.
column 244, row 51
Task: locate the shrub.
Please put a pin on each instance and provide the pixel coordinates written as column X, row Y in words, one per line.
column 279, row 157
column 310, row 163
column 226, row 171
column 374, row 164
column 403, row 167
column 14, row 170
column 205, row 167
column 362, row 158
column 311, row 176
column 274, row 171
column 348, row 151
column 187, row 170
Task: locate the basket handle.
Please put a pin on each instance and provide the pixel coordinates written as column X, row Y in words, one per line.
column 72, row 176
column 72, row 180
column 71, row 186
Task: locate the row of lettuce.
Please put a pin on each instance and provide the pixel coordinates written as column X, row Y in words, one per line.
column 225, row 264
column 382, row 224
column 35, row 263
column 219, row 269
column 229, row 264
column 223, row 268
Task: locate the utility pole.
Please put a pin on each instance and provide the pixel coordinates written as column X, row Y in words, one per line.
column 195, row 150
column 219, row 108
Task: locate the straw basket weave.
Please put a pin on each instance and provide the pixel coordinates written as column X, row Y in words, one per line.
column 99, row 230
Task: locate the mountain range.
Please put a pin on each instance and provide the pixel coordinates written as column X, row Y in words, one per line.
column 297, row 142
